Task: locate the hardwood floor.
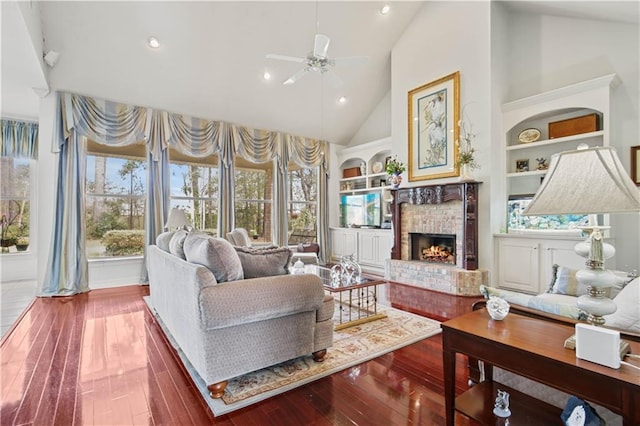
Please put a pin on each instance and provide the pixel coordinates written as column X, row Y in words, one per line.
column 100, row 358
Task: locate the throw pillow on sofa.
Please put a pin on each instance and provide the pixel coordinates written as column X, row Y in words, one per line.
column 627, row 314
column 163, row 240
column 264, row 262
column 176, row 245
column 564, row 281
column 217, row 254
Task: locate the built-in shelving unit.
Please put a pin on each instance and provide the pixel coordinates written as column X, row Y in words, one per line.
column 524, row 256
column 369, row 246
column 371, row 159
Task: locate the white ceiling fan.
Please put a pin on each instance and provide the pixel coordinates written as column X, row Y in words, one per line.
column 318, row 61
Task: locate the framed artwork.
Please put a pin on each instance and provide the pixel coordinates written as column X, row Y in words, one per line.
column 635, row 164
column 522, row 165
column 434, row 110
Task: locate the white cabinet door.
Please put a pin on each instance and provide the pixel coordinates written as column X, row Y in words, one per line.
column 344, row 243
column 385, row 244
column 374, row 248
column 518, row 264
column 368, row 243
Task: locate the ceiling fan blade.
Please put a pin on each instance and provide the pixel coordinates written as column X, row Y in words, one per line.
column 286, row 58
column 350, row 60
column 333, row 77
column 297, row 76
column 321, row 46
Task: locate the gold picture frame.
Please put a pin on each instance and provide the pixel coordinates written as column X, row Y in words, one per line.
column 434, row 113
column 635, row 164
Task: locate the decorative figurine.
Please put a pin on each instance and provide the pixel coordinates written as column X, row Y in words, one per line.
column 501, row 407
column 498, row 308
column 542, row 164
column 346, row 272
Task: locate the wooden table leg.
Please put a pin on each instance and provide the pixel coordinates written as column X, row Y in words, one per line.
column 449, row 365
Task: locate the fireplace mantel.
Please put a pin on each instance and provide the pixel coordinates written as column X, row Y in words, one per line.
column 467, row 192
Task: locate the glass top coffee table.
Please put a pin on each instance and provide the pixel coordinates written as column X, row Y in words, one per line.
column 357, row 301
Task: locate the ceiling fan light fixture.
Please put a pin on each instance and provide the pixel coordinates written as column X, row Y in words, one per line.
column 266, row 75
column 153, row 42
column 385, row 9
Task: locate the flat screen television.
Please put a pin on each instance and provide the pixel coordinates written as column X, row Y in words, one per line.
column 361, row 210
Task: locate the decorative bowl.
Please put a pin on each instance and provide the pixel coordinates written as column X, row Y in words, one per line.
column 497, row 308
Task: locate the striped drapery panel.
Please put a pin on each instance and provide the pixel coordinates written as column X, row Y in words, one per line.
column 19, row 139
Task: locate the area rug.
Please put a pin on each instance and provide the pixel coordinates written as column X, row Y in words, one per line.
column 351, row 346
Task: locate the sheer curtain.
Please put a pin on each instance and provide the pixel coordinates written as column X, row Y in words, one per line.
column 80, row 118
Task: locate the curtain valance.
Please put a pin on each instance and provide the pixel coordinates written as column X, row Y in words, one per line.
column 119, row 124
column 19, row 139
column 105, row 122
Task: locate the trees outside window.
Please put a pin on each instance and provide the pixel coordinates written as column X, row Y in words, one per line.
column 253, row 195
column 115, row 205
column 303, row 198
column 195, row 189
column 14, row 204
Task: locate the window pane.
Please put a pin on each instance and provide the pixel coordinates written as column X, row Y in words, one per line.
column 195, row 189
column 115, row 206
column 111, row 175
column 14, row 204
column 253, row 189
column 303, row 195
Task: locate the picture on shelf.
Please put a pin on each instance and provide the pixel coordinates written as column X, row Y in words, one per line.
column 522, row 166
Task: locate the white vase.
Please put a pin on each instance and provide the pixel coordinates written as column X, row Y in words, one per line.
column 465, row 173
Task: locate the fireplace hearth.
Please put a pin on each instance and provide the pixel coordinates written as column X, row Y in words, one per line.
column 433, row 248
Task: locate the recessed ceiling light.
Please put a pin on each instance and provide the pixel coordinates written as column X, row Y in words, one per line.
column 342, row 100
column 266, row 75
column 153, row 42
column 385, row 9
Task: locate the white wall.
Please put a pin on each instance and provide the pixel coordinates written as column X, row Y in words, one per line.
column 499, row 79
column 377, row 125
column 443, row 38
column 547, row 52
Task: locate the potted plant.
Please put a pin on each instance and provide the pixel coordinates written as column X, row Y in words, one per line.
column 466, row 152
column 22, row 243
column 394, row 169
column 6, row 240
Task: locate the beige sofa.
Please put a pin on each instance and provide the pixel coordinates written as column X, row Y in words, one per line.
column 227, row 329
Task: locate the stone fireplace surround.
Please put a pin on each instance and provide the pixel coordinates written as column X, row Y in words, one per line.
column 440, row 209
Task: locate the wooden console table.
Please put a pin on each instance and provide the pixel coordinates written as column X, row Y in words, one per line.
column 534, row 349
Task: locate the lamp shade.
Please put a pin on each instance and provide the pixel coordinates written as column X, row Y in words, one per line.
column 585, row 181
column 177, row 219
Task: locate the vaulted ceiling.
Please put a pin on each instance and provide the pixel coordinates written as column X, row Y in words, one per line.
column 212, row 57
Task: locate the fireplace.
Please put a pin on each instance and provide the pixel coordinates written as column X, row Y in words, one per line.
column 433, row 248
column 447, row 215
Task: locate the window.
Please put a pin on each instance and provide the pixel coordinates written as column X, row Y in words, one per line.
column 195, row 189
column 303, row 197
column 14, row 204
column 254, row 190
column 115, row 201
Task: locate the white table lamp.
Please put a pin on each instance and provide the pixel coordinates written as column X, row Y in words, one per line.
column 177, row 219
column 588, row 181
